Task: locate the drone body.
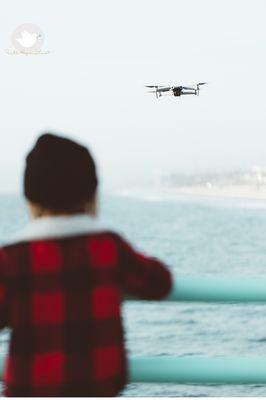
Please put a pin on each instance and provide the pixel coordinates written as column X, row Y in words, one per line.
column 176, row 91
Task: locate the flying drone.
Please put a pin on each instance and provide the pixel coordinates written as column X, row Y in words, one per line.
column 175, row 90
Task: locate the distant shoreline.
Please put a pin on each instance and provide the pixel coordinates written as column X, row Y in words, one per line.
column 230, row 191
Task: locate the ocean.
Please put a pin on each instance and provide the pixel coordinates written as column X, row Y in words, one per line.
column 192, row 235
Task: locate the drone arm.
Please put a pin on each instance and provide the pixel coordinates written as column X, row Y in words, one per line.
column 194, row 92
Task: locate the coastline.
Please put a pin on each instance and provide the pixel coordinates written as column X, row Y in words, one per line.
column 227, row 191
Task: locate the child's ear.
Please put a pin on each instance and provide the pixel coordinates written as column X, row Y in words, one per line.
column 35, row 210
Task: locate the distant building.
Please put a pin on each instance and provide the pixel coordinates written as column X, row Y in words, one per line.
column 255, row 177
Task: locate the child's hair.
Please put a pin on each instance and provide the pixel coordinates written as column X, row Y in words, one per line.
column 60, row 174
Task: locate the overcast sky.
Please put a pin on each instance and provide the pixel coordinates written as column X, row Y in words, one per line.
column 91, row 84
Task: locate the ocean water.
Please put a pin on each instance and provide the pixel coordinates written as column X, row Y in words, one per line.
column 192, row 235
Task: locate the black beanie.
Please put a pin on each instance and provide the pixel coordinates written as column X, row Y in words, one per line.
column 60, row 174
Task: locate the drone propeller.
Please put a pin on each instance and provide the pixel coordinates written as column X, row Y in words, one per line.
column 198, row 86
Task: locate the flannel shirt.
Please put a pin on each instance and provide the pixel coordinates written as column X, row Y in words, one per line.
column 61, row 297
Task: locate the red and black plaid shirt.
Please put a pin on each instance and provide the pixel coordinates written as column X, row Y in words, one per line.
column 61, row 298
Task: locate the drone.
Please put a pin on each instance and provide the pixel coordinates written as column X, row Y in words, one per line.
column 176, row 91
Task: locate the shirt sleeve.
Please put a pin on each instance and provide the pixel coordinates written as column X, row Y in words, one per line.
column 142, row 276
column 4, row 290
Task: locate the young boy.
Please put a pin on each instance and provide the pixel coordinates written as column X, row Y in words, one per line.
column 62, row 281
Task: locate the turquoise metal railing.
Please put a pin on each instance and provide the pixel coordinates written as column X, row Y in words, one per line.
column 221, row 289
column 205, row 370
column 200, row 370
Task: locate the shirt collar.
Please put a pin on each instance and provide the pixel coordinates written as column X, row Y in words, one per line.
column 56, row 227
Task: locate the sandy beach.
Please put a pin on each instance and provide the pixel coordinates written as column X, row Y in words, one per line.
column 233, row 191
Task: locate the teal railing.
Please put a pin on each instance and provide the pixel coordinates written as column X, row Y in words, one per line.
column 205, row 370
column 225, row 289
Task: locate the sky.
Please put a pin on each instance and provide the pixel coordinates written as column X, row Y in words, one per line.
column 90, row 86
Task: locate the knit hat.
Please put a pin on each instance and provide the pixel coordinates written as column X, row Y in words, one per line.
column 60, row 174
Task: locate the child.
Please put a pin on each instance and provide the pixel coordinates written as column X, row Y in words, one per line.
column 62, row 281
